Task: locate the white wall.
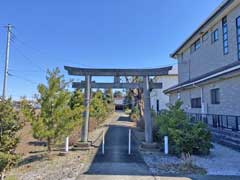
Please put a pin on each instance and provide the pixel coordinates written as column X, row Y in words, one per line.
column 157, row 94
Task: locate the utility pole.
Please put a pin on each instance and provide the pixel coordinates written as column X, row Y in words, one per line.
column 9, row 27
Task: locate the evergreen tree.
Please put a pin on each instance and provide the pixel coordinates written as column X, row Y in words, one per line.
column 98, row 108
column 184, row 137
column 77, row 99
column 9, row 126
column 56, row 118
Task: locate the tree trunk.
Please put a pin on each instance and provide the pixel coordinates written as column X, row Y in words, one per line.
column 140, row 102
column 141, row 108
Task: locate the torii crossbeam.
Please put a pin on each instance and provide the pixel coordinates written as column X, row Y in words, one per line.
column 116, row 73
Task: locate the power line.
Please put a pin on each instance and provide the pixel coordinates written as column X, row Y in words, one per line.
column 23, row 78
column 40, row 52
column 28, row 58
column 24, row 71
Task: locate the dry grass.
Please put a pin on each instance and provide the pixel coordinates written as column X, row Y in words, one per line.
column 27, row 143
column 36, row 163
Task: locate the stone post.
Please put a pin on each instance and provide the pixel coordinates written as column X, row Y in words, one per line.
column 147, row 111
column 87, row 94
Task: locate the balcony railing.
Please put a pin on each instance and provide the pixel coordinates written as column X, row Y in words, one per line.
column 217, row 121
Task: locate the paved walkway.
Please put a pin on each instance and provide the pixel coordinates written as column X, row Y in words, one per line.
column 116, row 164
column 116, row 160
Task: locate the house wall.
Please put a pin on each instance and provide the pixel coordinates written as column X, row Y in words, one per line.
column 157, row 94
column 229, row 97
column 210, row 55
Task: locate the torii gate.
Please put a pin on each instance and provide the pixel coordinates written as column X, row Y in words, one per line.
column 116, row 73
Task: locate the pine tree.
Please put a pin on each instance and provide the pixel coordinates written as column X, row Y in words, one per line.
column 98, row 108
column 56, row 118
column 77, row 99
column 9, row 126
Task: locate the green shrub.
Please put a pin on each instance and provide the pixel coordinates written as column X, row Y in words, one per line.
column 9, row 126
column 98, row 108
column 184, row 137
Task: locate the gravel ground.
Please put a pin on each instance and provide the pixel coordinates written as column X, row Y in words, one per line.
column 156, row 159
column 221, row 161
column 160, row 164
column 67, row 168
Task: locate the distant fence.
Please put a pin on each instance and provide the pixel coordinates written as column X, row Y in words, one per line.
column 217, row 121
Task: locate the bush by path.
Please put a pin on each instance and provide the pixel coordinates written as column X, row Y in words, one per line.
column 184, row 137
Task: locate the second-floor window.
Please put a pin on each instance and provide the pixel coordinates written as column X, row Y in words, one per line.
column 195, row 46
column 225, row 35
column 238, row 36
column 205, row 36
column 215, row 35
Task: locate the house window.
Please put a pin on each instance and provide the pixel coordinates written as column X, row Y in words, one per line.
column 196, row 102
column 195, row 46
column 157, row 105
column 215, row 96
column 215, row 35
column 238, row 36
column 205, row 36
column 225, row 35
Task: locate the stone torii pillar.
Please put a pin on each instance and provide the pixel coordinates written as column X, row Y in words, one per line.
column 147, row 111
column 87, row 93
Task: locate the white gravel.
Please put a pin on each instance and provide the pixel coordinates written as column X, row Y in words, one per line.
column 156, row 159
column 221, row 161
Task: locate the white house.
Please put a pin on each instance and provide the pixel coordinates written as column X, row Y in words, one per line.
column 159, row 100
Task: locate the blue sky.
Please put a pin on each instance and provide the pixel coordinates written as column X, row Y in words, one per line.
column 93, row 33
